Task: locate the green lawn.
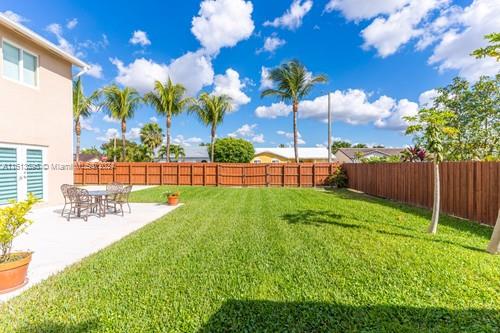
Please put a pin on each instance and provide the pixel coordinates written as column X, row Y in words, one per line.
column 275, row 260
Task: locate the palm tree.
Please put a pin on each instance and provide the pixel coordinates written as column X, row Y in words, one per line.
column 168, row 100
column 82, row 108
column 121, row 105
column 293, row 82
column 151, row 137
column 211, row 110
column 176, row 150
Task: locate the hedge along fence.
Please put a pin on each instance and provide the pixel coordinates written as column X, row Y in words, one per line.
column 468, row 189
column 204, row 174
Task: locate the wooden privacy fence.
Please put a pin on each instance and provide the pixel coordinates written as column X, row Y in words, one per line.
column 468, row 189
column 204, row 174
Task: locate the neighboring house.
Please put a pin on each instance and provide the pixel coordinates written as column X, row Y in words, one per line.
column 287, row 155
column 353, row 155
column 36, row 116
column 90, row 158
column 196, row 154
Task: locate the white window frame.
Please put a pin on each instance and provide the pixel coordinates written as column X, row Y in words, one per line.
column 257, row 161
column 21, row 65
column 22, row 175
column 275, row 160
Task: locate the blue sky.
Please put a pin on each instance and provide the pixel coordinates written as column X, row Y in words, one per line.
column 382, row 57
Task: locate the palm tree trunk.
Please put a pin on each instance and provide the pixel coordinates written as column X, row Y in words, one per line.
column 295, row 131
column 124, row 141
column 437, row 198
column 169, row 124
column 494, row 245
column 78, row 132
column 212, row 144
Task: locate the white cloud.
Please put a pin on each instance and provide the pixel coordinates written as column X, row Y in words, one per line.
column 153, row 119
column 139, row 37
column 426, row 99
column 109, row 119
column 292, row 18
column 14, row 16
column 351, row 106
column 396, row 121
column 289, row 136
column 186, row 142
column 133, row 134
column 453, row 50
column 273, row 111
column 387, row 35
column 62, row 43
column 193, row 70
column 229, row 84
column 265, row 82
column 361, row 9
column 247, row 131
column 271, row 44
column 71, row 24
column 110, row 134
column 86, row 124
column 95, row 71
column 222, row 23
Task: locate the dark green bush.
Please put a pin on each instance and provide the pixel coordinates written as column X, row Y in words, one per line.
column 231, row 150
column 337, row 179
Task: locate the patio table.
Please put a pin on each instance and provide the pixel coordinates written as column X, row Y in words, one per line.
column 100, row 197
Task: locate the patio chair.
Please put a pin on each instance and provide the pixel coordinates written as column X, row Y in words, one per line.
column 120, row 199
column 81, row 202
column 67, row 199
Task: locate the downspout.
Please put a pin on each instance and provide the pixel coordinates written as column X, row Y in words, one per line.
column 84, row 70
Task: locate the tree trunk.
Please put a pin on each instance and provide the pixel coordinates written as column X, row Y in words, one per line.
column 437, row 197
column 295, row 131
column 494, row 246
column 124, row 141
column 169, row 124
column 78, row 132
column 212, row 145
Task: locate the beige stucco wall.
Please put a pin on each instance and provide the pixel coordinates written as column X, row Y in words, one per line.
column 42, row 115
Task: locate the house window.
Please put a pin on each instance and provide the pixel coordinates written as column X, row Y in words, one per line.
column 275, row 160
column 257, row 161
column 19, row 65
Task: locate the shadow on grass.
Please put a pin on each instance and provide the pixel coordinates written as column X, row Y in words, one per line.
column 445, row 220
column 318, row 218
column 269, row 316
column 53, row 327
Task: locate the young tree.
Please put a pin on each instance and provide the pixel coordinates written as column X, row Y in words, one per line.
column 360, row 145
column 82, row 108
column 232, row 150
column 176, row 150
column 121, row 105
column 168, row 100
column 211, row 110
column 432, row 127
column 492, row 50
column 293, row 83
column 151, row 137
column 494, row 245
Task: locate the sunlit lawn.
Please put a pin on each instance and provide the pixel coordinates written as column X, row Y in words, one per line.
column 275, row 260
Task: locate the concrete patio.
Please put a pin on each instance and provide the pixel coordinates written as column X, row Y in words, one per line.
column 58, row 243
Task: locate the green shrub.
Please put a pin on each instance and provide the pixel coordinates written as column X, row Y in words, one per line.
column 13, row 222
column 231, row 150
column 337, row 179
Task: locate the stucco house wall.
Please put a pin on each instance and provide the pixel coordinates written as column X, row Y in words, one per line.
column 40, row 116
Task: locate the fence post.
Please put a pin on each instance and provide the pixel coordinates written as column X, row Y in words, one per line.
column 299, row 168
column 146, row 175
column 204, row 174
column 161, row 173
column 217, row 175
column 191, row 174
column 98, row 174
column 283, row 176
column 83, row 174
column 178, row 174
column 114, row 172
column 243, row 178
column 314, row 175
column 267, row 175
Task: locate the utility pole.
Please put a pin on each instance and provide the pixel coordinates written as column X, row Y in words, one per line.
column 329, row 129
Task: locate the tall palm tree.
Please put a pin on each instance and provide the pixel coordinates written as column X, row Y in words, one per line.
column 176, row 150
column 293, row 82
column 151, row 137
column 121, row 105
column 211, row 110
column 168, row 100
column 82, row 108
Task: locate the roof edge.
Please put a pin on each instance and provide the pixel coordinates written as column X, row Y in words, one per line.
column 33, row 36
